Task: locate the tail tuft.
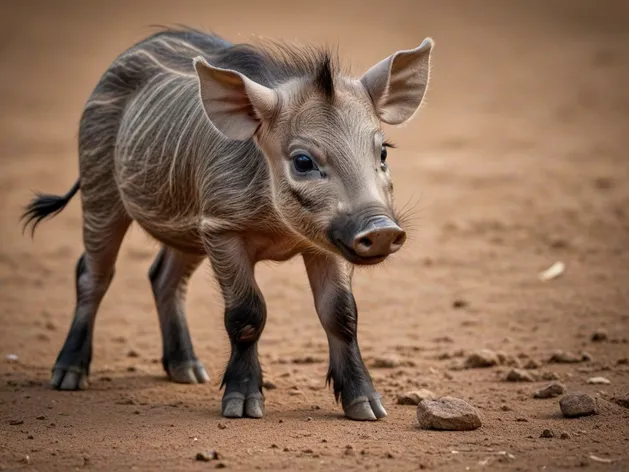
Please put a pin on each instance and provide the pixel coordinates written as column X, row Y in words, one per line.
column 44, row 205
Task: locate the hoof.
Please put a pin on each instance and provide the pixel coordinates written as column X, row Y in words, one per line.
column 68, row 378
column 365, row 409
column 188, row 373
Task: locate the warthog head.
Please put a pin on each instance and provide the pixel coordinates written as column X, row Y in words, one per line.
column 326, row 151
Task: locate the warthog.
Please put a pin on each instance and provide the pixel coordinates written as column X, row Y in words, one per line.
column 238, row 153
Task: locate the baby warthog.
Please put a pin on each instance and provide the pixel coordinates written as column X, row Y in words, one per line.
column 238, row 153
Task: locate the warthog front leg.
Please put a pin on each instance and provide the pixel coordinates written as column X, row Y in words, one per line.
column 330, row 279
column 245, row 317
column 169, row 277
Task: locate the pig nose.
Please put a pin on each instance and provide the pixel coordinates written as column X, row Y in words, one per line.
column 380, row 237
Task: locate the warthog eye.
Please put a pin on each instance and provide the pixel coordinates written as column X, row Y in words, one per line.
column 383, row 154
column 303, row 163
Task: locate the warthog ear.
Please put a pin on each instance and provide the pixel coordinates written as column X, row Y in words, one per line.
column 234, row 103
column 397, row 84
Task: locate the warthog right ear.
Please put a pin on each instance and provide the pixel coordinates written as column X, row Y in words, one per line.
column 234, row 103
column 397, row 84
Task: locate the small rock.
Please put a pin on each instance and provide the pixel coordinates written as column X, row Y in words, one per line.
column 600, row 460
column 16, row 422
column 203, row 457
column 30, row 436
column 50, row 326
column 208, row 456
column 41, row 417
column 414, row 397
column 547, row 433
column 349, row 450
column 565, row 357
column 389, row 455
column 269, row 385
column 599, row 335
column 482, row 358
column 12, row 357
column 307, row 451
column 532, row 364
column 519, row 375
column 294, row 392
column 309, row 418
column 385, row 362
column 133, row 353
column 131, row 368
column 623, row 361
column 220, row 465
column 565, row 435
column 598, row 381
column 522, row 420
column 222, row 426
column 506, row 408
column 26, row 459
column 447, row 413
column 574, row 405
column 459, row 303
column 586, row 357
column 549, row 376
column 550, row 391
column 620, row 401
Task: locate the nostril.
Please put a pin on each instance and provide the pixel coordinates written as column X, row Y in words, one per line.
column 399, row 240
column 365, row 241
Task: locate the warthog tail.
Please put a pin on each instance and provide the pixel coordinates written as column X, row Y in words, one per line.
column 44, row 205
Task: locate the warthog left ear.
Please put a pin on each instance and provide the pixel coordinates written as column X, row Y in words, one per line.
column 234, row 103
column 398, row 83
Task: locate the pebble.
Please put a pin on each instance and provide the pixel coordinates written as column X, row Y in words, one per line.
column 133, row 353
column 549, row 376
column 547, row 433
column 599, row 335
column 16, row 422
column 12, row 357
column 621, row 401
column 550, row 391
column 566, row 357
column 482, row 358
column 598, row 381
column 41, row 417
column 222, row 426
column 207, row 456
column 574, row 405
column 506, row 408
column 447, row 413
column 565, row 435
column 532, row 364
column 414, row 397
column 459, row 303
column 220, row 465
column 518, row 375
column 269, row 385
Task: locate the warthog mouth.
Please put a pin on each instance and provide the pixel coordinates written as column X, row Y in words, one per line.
column 351, row 255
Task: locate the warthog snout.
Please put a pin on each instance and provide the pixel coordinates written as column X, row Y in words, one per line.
column 366, row 240
column 380, row 238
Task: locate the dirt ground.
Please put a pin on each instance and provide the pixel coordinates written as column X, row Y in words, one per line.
column 517, row 160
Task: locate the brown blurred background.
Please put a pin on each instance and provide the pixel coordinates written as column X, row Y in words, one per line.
column 517, row 159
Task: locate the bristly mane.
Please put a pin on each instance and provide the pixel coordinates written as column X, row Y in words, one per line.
column 268, row 62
